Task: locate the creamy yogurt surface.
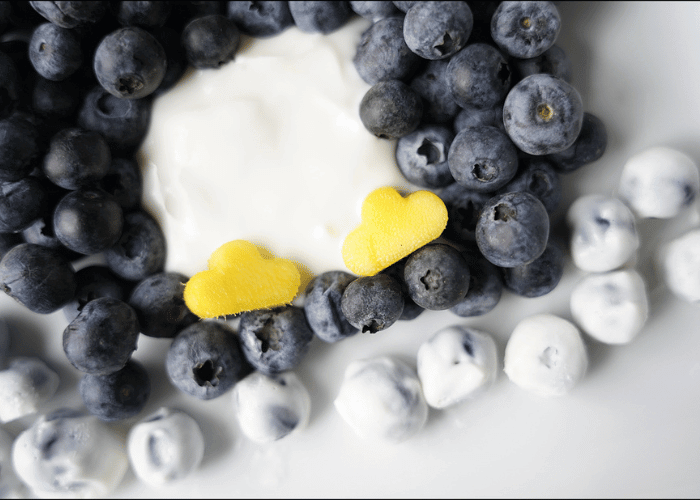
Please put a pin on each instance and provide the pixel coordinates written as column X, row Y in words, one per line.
column 268, row 148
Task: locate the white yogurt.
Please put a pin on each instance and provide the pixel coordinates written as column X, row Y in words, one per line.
column 25, row 385
column 10, row 485
column 268, row 148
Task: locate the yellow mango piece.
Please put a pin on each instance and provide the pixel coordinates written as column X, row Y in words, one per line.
column 239, row 280
column 391, row 228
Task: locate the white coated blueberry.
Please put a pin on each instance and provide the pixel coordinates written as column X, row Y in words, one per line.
column 67, row 454
column 545, row 355
column 381, row 398
column 456, row 363
column 270, row 407
column 680, row 261
column 611, row 307
column 659, row 182
column 603, row 233
column 165, row 447
column 25, row 385
column 10, row 485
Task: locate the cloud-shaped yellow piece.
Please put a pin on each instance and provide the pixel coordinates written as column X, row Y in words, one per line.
column 392, row 227
column 239, row 280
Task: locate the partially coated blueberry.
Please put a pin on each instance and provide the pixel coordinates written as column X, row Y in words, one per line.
column 210, row 41
column 437, row 276
column 437, row 30
column 525, row 29
column 422, row 156
column 260, row 19
column 373, row 303
column 118, row 395
column 322, row 306
column 76, row 158
column 540, row 276
column 320, row 16
column 391, row 109
column 478, row 75
column 140, row 251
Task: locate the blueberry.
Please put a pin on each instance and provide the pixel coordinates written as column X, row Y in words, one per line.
column 260, row 19
column 130, row 63
column 101, row 339
column 404, row 6
column 88, row 221
column 436, row 30
column 140, row 250
column 71, row 14
column 471, row 116
column 482, row 159
column 540, row 276
column 93, row 282
column 437, row 276
column 430, row 84
column 41, row 232
column 76, row 158
column 143, row 14
column 176, row 64
column 391, row 109
column 205, row 360
column 525, row 29
column 123, row 182
column 375, row 10
column 373, row 303
column 210, row 41
column 9, row 241
column 320, row 17
column 588, row 147
column 118, row 395
column 55, row 100
column 275, row 340
column 9, row 86
column 543, row 114
column 55, row 52
column 463, row 209
column 478, row 75
column 37, row 277
column 537, row 176
column 411, row 310
column 553, row 61
column 422, row 156
column 322, row 306
column 513, row 229
column 21, row 203
column 160, row 306
column 485, row 286
column 19, row 148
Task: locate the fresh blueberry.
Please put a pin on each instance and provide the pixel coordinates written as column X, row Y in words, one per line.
column 537, row 176
column 260, row 19
column 540, row 276
column 485, row 286
column 9, row 241
column 322, row 306
column 471, row 116
column 116, row 396
column 19, row 148
column 513, row 229
column 130, row 63
column 422, row 156
column 478, row 75
column 404, row 6
column 176, row 64
column 9, row 86
column 411, row 310
column 588, row 147
column 55, row 52
column 463, row 209
column 543, row 114
column 41, row 232
column 55, row 100
column 21, row 203
column 436, row 30
column 101, row 339
column 525, row 29
column 160, row 306
column 430, row 84
column 123, row 182
column 76, row 158
column 93, row 282
column 320, row 17
column 482, row 159
column 37, row 277
column 437, row 276
column 140, row 250
column 382, row 53
column 147, row 14
column 375, row 10
column 275, row 340
column 71, row 14
column 210, row 41
column 391, row 109
column 373, row 303
column 553, row 61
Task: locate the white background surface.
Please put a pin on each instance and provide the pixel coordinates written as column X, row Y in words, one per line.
column 630, row 428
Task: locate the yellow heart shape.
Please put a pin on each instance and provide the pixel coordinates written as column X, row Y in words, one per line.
column 239, row 280
column 392, row 227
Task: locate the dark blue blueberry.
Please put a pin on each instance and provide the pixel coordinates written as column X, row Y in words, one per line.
column 205, row 360
column 436, row 30
column 88, row 221
column 275, row 340
column 210, row 41
column 543, row 114
column 260, row 19
column 71, row 14
column 478, row 76
column 19, row 148
column 537, row 176
column 540, row 276
column 76, row 158
column 437, row 276
column 485, row 286
column 123, row 182
column 41, row 232
column 375, row 10
column 37, row 277
column 553, row 61
column 422, row 156
column 55, row 100
column 525, row 29
column 463, row 209
column 482, row 159
column 101, row 339
column 130, row 63
column 430, row 84
column 411, row 310
column 21, row 203
column 322, row 306
column 144, row 14
column 471, row 116
column 9, row 86
column 404, row 6
column 160, row 306
column 9, row 241
column 93, row 282
column 373, row 303
column 55, row 52
column 320, row 16
column 382, row 53
column 140, row 250
column 588, row 147
column 116, row 396
column 513, row 229
column 391, row 109
column 174, row 55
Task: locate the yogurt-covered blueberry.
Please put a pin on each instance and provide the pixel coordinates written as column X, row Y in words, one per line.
column 455, row 363
column 381, row 398
column 164, row 447
column 680, row 261
column 545, row 355
column 10, row 485
column 25, row 385
column 271, row 407
column 611, row 307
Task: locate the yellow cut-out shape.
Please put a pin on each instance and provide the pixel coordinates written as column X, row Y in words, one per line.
column 239, row 279
column 392, row 227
